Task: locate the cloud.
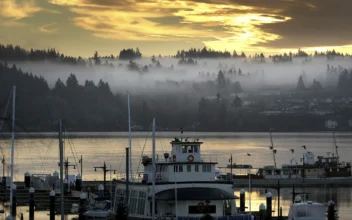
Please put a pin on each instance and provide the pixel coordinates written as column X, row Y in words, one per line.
column 22, row 9
column 49, row 28
column 220, row 24
column 216, row 25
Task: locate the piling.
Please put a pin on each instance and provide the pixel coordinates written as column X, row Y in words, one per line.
column 31, row 203
column 14, row 205
column 269, row 205
column 21, row 216
column 52, row 205
column 65, row 187
column 262, row 211
column 242, row 200
column 82, row 209
column 78, row 182
column 27, row 179
column 101, row 191
column 331, row 210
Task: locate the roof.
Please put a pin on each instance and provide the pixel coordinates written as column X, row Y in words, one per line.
column 186, row 142
column 195, row 193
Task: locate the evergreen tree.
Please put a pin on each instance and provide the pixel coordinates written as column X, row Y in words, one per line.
column 300, row 84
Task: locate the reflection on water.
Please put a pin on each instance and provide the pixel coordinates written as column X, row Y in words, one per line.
column 341, row 196
column 37, row 215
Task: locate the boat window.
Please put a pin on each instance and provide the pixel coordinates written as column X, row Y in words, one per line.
column 188, row 168
column 196, row 168
column 268, row 172
column 277, row 172
column 184, row 149
column 195, row 149
column 190, row 149
column 175, row 169
column 206, row 168
column 180, row 168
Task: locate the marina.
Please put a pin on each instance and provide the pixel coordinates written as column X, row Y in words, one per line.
column 266, row 184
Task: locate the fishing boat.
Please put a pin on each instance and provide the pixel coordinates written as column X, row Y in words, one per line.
column 181, row 185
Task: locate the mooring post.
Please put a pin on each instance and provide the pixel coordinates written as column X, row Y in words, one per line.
column 242, row 200
column 82, row 199
column 331, row 210
column 262, row 211
column 78, row 182
column 21, row 216
column 65, row 187
column 14, row 205
column 31, row 203
column 52, row 205
column 101, row 191
column 269, row 207
column 27, row 179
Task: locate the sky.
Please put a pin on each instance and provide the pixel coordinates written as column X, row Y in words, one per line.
column 80, row 27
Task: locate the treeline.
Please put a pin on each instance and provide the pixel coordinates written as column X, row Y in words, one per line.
column 16, row 53
column 84, row 107
column 93, row 107
column 207, row 53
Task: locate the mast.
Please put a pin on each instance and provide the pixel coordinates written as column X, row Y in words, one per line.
column 129, row 133
column 337, row 153
column 153, row 173
column 12, row 146
column 61, row 149
column 272, row 148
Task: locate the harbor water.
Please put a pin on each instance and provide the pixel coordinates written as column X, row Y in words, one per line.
column 39, row 154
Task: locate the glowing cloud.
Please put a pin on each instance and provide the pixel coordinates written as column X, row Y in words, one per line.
column 12, row 9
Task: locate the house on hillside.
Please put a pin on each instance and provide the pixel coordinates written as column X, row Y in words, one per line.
column 330, row 124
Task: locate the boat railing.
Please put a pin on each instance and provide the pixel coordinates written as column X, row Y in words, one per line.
column 232, row 217
column 204, row 158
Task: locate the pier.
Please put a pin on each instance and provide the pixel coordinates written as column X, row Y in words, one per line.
column 272, row 183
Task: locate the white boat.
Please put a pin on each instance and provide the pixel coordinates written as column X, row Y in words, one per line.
column 180, row 186
column 307, row 211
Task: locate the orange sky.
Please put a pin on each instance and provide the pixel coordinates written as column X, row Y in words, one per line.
column 79, row 27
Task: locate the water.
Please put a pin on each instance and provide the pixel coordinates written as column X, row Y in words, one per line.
column 39, row 154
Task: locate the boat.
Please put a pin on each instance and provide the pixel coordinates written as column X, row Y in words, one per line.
column 181, row 185
column 323, row 167
column 307, row 210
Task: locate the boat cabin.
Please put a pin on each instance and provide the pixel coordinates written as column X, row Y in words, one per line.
column 182, row 164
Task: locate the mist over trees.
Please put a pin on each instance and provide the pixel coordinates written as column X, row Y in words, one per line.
column 190, row 90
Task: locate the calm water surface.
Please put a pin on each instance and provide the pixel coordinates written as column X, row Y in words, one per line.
column 40, row 155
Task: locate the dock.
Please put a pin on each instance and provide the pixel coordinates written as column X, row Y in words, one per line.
column 299, row 182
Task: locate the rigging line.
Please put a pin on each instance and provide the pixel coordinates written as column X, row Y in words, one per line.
column 46, row 155
column 145, row 143
column 7, row 105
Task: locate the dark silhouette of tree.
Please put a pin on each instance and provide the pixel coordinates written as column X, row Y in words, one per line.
column 316, row 86
column 96, row 58
column 300, row 84
column 237, row 102
column 130, row 54
column 237, row 87
column 203, row 53
column 16, row 53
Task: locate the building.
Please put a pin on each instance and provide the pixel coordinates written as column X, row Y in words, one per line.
column 330, row 124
